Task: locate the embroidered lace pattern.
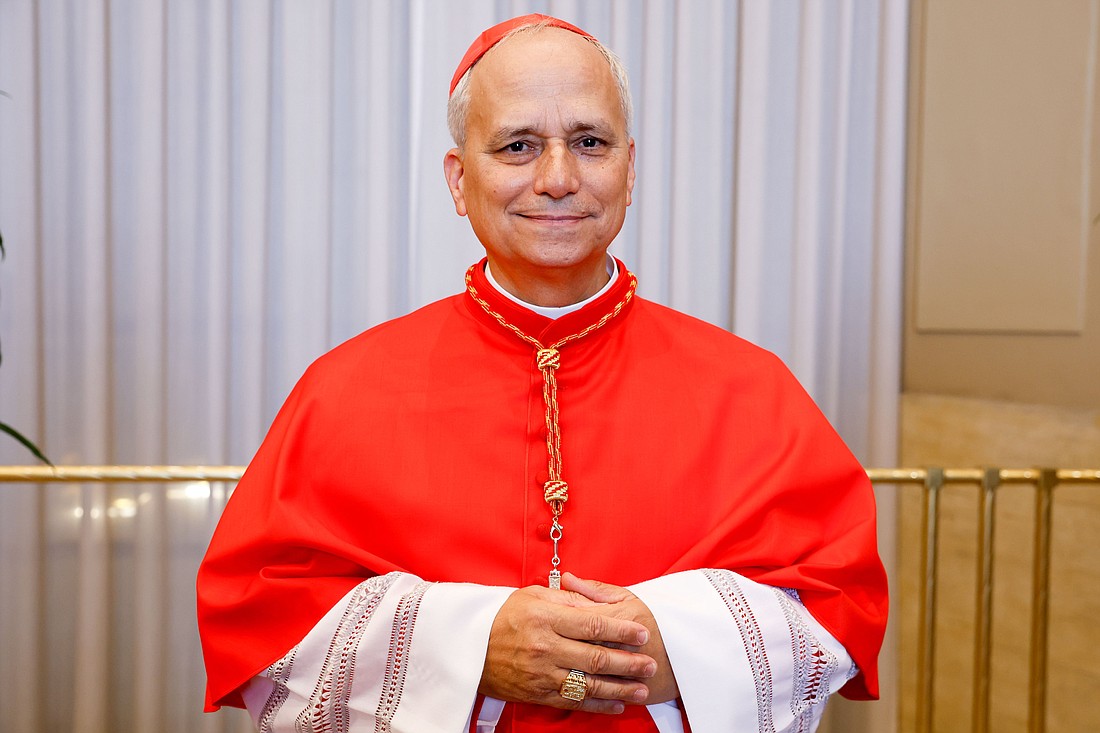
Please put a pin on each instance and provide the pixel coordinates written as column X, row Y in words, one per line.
column 279, row 673
column 814, row 664
column 725, row 583
column 328, row 706
column 397, row 662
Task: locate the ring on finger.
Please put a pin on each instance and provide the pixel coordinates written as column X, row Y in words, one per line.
column 574, row 686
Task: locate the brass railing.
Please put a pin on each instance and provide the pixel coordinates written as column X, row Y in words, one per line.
column 117, row 474
column 988, row 480
column 932, row 481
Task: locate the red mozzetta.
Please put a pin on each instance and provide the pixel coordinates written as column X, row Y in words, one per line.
column 420, row 446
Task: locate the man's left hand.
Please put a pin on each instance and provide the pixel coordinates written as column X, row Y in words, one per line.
column 618, row 602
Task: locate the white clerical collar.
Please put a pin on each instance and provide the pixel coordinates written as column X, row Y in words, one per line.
column 557, row 312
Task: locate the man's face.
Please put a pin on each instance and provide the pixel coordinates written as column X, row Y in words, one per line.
column 547, row 170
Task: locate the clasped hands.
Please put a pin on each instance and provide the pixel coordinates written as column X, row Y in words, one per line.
column 603, row 630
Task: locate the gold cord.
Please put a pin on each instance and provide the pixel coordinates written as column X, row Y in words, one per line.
column 548, row 361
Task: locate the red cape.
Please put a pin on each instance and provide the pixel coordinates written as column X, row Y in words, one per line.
column 420, row 446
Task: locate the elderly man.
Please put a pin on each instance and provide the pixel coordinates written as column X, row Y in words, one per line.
column 545, row 503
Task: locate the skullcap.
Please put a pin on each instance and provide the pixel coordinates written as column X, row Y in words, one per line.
column 491, row 37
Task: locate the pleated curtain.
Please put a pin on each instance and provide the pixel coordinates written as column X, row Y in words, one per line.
column 199, row 197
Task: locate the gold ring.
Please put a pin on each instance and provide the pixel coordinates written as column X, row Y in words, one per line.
column 574, row 686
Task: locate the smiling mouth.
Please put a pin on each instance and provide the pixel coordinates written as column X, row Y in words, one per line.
column 555, row 218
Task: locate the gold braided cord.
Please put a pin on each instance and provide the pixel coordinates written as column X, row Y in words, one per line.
column 555, row 491
column 562, row 341
column 548, row 361
column 489, row 309
column 553, row 430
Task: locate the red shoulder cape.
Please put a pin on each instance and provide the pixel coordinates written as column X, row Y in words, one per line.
column 420, row 446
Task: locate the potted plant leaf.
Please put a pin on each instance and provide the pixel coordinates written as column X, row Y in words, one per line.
column 5, row 427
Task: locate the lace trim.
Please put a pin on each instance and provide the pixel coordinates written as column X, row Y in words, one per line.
column 328, row 706
column 279, row 673
column 725, row 583
column 814, row 664
column 393, row 684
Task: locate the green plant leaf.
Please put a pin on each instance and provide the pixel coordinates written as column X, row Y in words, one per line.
column 5, row 428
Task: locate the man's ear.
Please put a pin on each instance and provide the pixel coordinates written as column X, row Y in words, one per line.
column 453, row 171
column 630, row 175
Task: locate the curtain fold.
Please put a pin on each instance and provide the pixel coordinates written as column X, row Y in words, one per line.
column 199, row 198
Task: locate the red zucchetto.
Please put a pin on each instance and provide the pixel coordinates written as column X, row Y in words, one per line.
column 491, row 37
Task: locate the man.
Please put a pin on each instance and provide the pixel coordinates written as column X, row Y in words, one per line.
column 439, row 531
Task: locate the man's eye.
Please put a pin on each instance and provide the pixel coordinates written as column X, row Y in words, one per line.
column 516, row 147
column 589, row 142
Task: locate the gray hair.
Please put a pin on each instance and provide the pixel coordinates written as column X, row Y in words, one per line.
column 458, row 106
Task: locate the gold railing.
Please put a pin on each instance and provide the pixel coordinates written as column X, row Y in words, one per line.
column 988, row 480
column 932, row 481
column 117, row 474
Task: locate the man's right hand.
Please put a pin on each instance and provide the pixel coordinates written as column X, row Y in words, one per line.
column 540, row 634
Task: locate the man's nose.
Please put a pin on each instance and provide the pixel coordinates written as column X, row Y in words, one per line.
column 557, row 174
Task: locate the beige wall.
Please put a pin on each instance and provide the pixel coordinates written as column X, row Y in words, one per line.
column 956, row 431
column 1003, row 262
column 1002, row 334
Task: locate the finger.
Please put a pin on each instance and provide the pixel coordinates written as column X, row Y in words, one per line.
column 607, row 695
column 600, row 660
column 573, row 599
column 594, row 589
column 612, row 689
column 582, row 625
column 603, row 707
column 561, row 597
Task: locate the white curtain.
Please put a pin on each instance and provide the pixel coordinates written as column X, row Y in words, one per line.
column 200, row 197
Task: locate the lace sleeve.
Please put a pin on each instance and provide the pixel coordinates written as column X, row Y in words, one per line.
column 747, row 656
column 395, row 654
